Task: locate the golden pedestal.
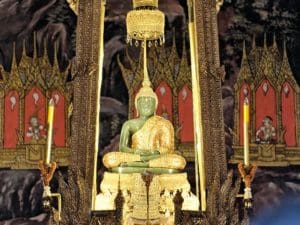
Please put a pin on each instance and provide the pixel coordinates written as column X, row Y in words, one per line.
column 159, row 202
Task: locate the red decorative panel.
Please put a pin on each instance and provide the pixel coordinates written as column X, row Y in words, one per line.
column 35, row 107
column 11, row 119
column 165, row 102
column 185, row 115
column 59, row 123
column 245, row 91
column 265, row 103
column 289, row 114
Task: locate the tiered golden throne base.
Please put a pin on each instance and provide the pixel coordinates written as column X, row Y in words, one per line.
column 161, row 191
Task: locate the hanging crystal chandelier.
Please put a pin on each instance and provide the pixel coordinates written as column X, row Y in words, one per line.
column 145, row 23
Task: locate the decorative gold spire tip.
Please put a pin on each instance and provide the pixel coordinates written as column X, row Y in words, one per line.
column 265, row 40
column 274, row 41
column 284, row 48
column 244, row 50
column 253, row 41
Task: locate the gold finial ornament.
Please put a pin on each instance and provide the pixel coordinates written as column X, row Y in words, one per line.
column 145, row 21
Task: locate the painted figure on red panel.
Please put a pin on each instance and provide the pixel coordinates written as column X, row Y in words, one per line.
column 35, row 130
column 266, row 133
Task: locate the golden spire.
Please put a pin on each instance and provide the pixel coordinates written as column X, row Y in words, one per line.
column 34, row 46
column 265, row 40
column 253, row 41
column 245, row 71
column 45, row 56
column 284, row 48
column 285, row 70
column 14, row 67
column 274, row 41
column 23, row 62
column 244, row 50
column 45, row 46
column 55, row 61
column 23, row 49
column 14, row 79
column 173, row 41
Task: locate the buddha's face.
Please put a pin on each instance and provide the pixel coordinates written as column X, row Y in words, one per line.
column 146, row 106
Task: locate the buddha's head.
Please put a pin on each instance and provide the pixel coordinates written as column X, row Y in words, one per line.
column 146, row 101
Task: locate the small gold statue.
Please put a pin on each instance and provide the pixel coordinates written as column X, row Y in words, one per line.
column 147, row 141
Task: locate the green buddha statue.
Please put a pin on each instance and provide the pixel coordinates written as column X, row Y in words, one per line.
column 146, row 141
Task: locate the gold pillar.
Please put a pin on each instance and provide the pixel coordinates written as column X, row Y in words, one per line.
column 197, row 113
column 99, row 83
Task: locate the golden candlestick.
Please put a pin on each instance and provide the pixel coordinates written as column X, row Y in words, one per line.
column 50, row 130
column 197, row 114
column 246, row 132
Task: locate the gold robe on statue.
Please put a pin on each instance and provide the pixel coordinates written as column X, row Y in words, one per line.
column 157, row 133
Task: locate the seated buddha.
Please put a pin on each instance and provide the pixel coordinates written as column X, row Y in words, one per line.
column 146, row 141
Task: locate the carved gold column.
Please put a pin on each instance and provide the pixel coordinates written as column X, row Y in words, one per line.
column 197, row 113
column 99, row 82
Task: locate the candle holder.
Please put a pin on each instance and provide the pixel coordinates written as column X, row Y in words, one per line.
column 47, row 171
column 247, row 173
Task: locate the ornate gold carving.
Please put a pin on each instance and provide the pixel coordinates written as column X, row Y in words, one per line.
column 134, row 189
column 145, row 22
column 266, row 63
column 38, row 72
